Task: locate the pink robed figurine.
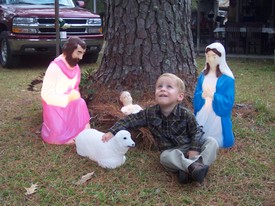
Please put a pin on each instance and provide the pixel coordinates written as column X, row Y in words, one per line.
column 65, row 113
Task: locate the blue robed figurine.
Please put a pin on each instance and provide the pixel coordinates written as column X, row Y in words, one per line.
column 214, row 97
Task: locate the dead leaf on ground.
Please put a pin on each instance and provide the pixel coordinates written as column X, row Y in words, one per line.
column 31, row 189
column 84, row 178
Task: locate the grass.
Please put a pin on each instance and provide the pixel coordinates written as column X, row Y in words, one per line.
column 243, row 175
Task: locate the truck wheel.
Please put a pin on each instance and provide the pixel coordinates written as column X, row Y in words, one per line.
column 6, row 57
column 91, row 57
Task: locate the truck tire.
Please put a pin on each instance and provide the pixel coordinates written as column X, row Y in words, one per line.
column 91, row 57
column 6, row 58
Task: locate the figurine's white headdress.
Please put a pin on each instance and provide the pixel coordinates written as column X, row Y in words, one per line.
column 223, row 65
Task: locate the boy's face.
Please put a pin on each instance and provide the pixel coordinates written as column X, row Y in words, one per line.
column 167, row 92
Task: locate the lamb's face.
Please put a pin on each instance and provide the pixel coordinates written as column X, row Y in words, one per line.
column 124, row 139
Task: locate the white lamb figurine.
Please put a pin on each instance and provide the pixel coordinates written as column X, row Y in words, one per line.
column 109, row 154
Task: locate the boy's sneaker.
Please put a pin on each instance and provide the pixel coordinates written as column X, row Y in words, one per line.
column 184, row 177
column 198, row 171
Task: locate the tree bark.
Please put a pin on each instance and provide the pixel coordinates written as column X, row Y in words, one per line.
column 145, row 38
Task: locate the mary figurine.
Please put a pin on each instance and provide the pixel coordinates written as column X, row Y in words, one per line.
column 214, row 97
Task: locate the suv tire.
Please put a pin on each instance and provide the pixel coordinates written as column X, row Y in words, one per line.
column 91, row 57
column 6, row 58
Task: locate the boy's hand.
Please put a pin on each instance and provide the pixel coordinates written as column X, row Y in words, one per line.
column 107, row 136
column 192, row 154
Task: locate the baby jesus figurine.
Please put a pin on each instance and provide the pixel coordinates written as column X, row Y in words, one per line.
column 128, row 106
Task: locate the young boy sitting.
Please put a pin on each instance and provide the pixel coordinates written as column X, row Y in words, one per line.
column 176, row 131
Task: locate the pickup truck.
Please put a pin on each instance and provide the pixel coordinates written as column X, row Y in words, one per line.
column 27, row 27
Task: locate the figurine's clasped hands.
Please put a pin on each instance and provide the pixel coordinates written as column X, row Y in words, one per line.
column 73, row 95
column 208, row 93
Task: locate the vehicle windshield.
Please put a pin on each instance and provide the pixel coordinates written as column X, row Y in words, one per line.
column 40, row 2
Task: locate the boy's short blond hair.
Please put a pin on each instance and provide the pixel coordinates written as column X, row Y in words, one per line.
column 180, row 84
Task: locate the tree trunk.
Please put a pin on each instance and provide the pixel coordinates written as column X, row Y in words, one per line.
column 145, row 38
